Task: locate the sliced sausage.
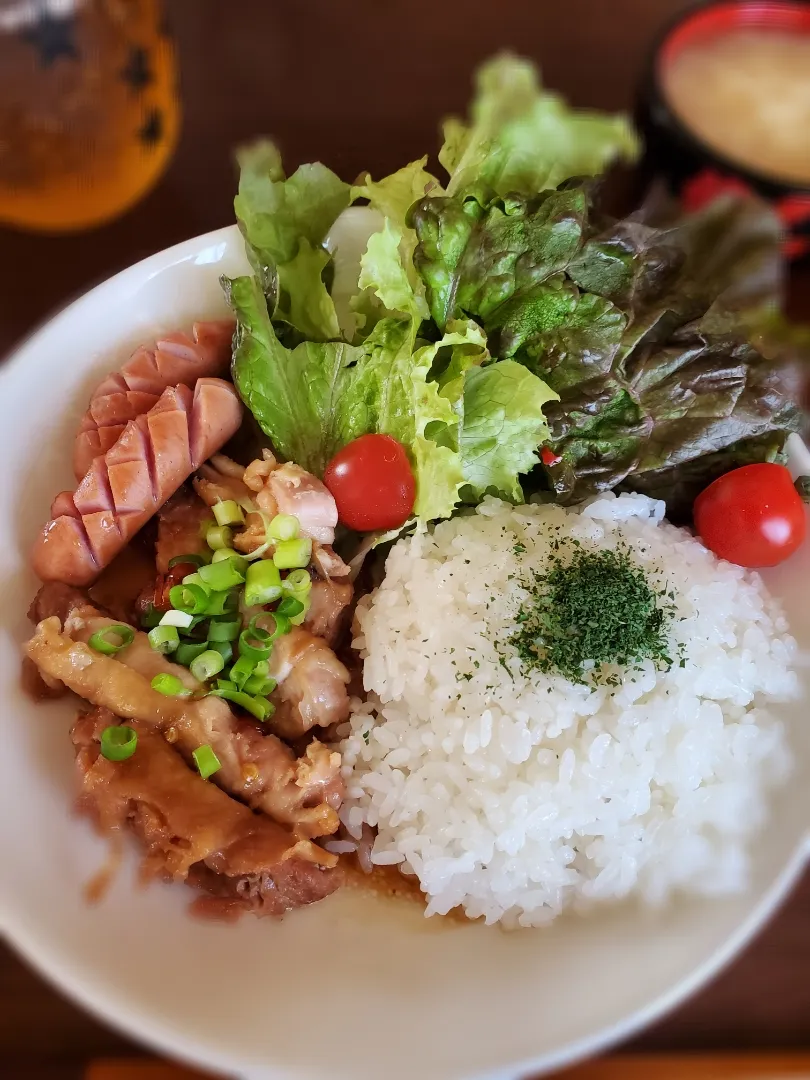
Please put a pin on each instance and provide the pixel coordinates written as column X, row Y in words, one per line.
column 136, row 387
column 155, row 454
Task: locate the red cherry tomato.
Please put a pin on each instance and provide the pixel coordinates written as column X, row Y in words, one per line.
column 372, row 483
column 752, row 516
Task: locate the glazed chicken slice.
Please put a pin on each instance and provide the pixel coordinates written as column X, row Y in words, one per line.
column 289, row 489
column 221, row 480
column 181, row 527
column 328, row 564
column 303, row 793
column 270, row 488
column 192, row 831
column 181, row 524
column 329, row 604
column 312, row 683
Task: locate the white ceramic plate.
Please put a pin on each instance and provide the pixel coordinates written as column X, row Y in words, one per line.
column 353, row 987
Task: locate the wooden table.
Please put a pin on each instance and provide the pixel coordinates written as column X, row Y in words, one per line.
column 361, row 85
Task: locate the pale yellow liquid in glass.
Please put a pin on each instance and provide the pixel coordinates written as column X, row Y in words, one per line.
column 89, row 113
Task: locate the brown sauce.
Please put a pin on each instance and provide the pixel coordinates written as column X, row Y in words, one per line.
column 120, row 584
column 387, row 883
column 384, row 881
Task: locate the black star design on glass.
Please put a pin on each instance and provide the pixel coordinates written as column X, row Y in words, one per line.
column 137, row 71
column 52, row 38
column 152, row 129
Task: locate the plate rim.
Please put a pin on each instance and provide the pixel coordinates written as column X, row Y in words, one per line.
column 150, row 1027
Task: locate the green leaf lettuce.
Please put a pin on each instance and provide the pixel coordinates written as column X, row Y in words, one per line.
column 523, row 139
column 463, row 422
column 284, row 222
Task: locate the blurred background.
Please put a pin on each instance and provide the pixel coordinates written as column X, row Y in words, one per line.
column 118, row 121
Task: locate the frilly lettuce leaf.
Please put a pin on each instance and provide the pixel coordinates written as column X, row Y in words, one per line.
column 284, row 222
column 474, row 259
column 461, row 421
column 497, row 422
column 503, row 427
column 395, row 194
column 523, row 139
column 302, row 299
column 313, row 399
column 388, row 392
column 383, row 271
column 294, row 394
column 673, row 418
column 559, row 329
column 678, row 394
column 387, row 266
column 463, row 345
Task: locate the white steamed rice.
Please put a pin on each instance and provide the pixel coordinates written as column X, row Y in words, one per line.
column 516, row 797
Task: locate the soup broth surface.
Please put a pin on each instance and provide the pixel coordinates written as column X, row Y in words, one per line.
column 747, row 95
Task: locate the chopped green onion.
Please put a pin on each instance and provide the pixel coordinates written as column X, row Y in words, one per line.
column 206, row 761
column 262, row 583
column 151, row 617
column 225, row 684
column 281, row 624
column 206, row 665
column 223, row 603
column 297, row 586
column 224, row 629
column 188, row 597
column 225, row 650
column 259, row 685
column 296, row 582
column 221, row 576
column 258, row 707
column 292, row 554
column 188, row 652
column 183, row 619
column 283, row 527
column 256, row 644
column 241, row 671
column 191, row 560
column 228, row 512
column 290, row 607
column 296, row 620
column 195, row 579
column 164, row 639
column 169, row 685
column 219, row 536
column 239, row 561
column 112, row 639
column 118, row 742
column 257, row 553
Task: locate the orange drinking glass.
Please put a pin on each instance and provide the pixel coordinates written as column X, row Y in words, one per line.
column 89, row 114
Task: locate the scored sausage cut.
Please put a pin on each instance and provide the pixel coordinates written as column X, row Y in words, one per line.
column 135, row 388
column 122, row 489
